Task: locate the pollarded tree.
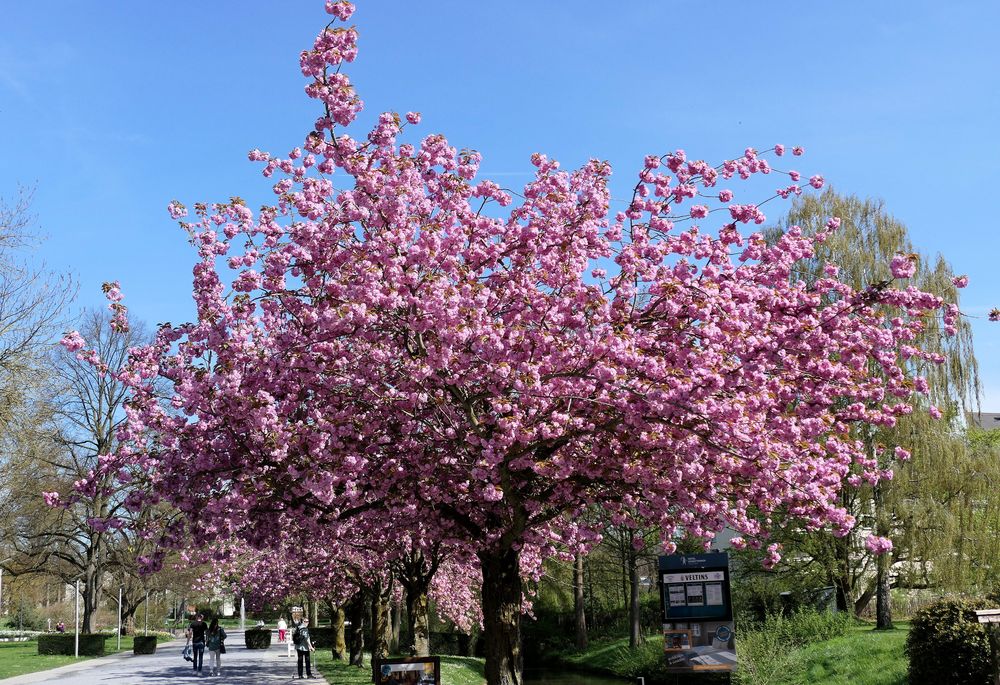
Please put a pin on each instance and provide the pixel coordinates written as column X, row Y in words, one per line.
column 395, row 339
column 910, row 508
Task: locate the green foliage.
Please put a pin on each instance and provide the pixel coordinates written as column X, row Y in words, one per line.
column 644, row 660
column 257, row 638
column 947, row 645
column 144, row 644
column 91, row 644
column 767, row 652
column 26, row 617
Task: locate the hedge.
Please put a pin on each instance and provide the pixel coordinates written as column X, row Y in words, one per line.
column 144, row 644
column 91, row 644
column 321, row 638
column 257, row 638
column 946, row 644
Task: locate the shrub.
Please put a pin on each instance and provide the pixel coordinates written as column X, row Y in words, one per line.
column 144, row 644
column 321, row 638
column 257, row 638
column 947, row 645
column 91, row 644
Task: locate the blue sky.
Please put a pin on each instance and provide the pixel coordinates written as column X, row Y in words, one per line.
column 112, row 109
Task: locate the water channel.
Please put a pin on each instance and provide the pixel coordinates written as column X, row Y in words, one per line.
column 539, row 676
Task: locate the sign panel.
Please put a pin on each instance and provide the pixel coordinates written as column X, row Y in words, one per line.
column 424, row 670
column 698, row 630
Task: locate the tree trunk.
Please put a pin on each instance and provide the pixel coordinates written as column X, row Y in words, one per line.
column 417, row 616
column 502, row 617
column 381, row 628
column 579, row 606
column 91, row 595
column 314, row 613
column 339, row 646
column 634, row 636
column 397, row 610
column 883, row 601
column 356, row 637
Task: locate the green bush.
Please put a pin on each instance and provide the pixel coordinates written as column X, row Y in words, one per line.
column 144, row 644
column 257, row 638
column 91, row 644
column 946, row 644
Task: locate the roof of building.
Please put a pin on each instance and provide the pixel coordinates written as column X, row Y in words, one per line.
column 986, row 420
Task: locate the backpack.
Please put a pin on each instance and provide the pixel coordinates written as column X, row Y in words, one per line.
column 296, row 636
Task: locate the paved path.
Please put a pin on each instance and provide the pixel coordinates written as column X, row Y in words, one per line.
column 240, row 666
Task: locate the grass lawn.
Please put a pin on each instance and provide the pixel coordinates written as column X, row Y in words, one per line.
column 862, row 657
column 18, row 658
column 601, row 654
column 455, row 670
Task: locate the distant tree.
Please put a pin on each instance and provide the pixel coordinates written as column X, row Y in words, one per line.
column 905, row 508
column 76, row 541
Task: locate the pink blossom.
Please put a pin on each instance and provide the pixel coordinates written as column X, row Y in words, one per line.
column 798, row 151
column 773, row 556
column 995, row 314
column 52, row 499
column 725, row 195
column 73, row 341
column 934, row 412
column 779, row 149
column 960, row 281
column 816, row 181
column 903, row 265
column 340, row 9
column 176, row 209
column 878, row 545
column 902, row 454
column 699, row 211
column 413, row 117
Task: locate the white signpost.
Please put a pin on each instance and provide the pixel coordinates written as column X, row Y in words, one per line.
column 991, row 618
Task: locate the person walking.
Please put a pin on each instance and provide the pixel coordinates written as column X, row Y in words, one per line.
column 215, row 644
column 282, row 629
column 303, row 647
column 196, row 632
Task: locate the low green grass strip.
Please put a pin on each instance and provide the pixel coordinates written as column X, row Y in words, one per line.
column 455, row 670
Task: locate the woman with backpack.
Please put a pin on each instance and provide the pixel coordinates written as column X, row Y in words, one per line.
column 215, row 644
column 303, row 646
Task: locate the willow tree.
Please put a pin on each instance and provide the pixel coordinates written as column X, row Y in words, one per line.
column 913, row 506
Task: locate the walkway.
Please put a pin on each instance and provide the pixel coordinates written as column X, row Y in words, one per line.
column 240, row 666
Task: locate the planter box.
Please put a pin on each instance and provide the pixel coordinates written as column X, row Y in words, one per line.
column 91, row 644
column 144, row 644
column 257, row 638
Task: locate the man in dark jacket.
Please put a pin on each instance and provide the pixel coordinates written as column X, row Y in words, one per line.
column 196, row 633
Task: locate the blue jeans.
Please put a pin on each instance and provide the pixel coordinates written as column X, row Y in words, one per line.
column 198, row 654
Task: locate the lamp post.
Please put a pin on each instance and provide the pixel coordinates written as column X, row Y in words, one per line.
column 119, row 619
column 76, row 622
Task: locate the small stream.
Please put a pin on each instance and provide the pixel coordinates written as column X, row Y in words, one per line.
column 545, row 676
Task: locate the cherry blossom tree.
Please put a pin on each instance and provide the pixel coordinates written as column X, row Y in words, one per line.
column 396, row 334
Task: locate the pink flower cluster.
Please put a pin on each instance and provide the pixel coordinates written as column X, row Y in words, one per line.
column 878, row 545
